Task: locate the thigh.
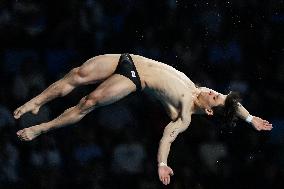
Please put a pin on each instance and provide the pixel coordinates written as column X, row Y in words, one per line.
column 112, row 89
column 98, row 68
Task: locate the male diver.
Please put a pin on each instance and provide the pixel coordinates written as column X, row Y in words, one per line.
column 122, row 74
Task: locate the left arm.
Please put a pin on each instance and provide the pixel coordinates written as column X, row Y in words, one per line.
column 258, row 123
column 171, row 131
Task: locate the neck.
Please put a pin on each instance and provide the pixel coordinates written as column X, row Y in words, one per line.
column 197, row 105
column 197, row 108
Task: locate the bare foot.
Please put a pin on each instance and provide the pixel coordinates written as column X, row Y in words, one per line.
column 27, row 107
column 28, row 134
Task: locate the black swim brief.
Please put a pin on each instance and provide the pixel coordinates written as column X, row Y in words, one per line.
column 127, row 68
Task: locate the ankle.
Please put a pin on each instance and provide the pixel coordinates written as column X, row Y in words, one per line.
column 42, row 128
column 35, row 102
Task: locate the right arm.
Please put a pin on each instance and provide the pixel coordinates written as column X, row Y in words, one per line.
column 171, row 131
column 257, row 122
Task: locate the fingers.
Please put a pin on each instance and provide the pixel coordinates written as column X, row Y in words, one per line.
column 166, row 180
column 165, row 174
column 266, row 125
column 262, row 124
column 264, row 128
column 163, row 179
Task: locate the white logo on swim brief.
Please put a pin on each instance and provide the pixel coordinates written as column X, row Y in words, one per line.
column 133, row 74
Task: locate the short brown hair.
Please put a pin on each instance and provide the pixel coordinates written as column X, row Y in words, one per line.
column 227, row 113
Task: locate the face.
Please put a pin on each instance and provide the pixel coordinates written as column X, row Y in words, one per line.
column 210, row 98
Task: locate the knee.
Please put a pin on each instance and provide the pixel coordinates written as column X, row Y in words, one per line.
column 85, row 105
column 76, row 77
column 77, row 73
column 89, row 103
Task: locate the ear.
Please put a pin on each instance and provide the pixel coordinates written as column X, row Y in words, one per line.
column 209, row 111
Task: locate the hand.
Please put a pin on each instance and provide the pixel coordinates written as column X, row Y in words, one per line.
column 260, row 124
column 165, row 173
column 29, row 133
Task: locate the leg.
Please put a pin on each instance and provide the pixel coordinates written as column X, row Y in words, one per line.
column 113, row 89
column 94, row 70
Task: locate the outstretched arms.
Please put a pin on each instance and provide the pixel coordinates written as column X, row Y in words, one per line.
column 258, row 123
column 170, row 133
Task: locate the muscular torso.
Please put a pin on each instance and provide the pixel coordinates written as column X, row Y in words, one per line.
column 172, row 87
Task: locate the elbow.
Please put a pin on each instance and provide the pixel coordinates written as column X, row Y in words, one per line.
column 166, row 140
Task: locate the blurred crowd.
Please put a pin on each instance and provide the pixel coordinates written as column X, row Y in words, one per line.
column 225, row 45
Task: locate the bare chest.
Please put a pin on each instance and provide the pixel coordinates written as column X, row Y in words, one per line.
column 174, row 94
column 170, row 86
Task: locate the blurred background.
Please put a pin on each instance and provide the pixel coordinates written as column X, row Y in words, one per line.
column 224, row 45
